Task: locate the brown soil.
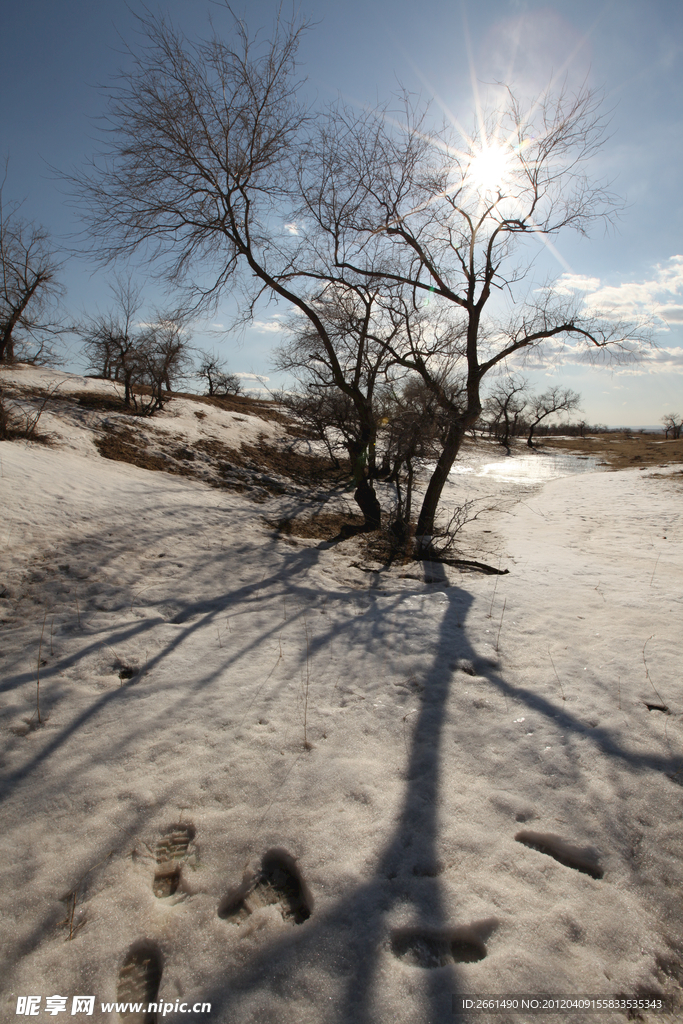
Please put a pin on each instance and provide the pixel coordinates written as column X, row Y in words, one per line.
column 323, row 526
column 265, row 410
column 122, row 445
column 100, row 402
column 621, row 451
column 304, row 469
column 211, row 460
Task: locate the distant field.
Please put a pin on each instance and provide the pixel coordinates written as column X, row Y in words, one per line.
column 620, row 450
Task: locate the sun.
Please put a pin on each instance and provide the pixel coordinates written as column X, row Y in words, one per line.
column 490, row 169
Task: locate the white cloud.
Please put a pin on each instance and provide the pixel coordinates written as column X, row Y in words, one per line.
column 292, row 228
column 672, row 314
column 629, row 359
column 267, row 326
column 219, row 327
column 663, row 359
column 633, row 299
column 252, row 376
column 570, row 283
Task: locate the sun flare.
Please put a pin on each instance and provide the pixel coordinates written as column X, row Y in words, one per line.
column 490, row 169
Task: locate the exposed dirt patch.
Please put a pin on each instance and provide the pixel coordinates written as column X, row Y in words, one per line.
column 101, row 402
column 19, row 432
column 244, row 404
column 261, row 466
column 121, row 444
column 304, row 469
column 323, row 526
column 389, row 547
column 620, row 450
column 17, row 424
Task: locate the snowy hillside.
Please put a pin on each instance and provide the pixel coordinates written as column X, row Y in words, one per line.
column 276, row 776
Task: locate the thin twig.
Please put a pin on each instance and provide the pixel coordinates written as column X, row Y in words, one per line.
column 40, row 645
column 556, row 675
column 405, row 741
column 501, row 624
column 647, row 671
column 495, row 586
column 240, row 724
column 71, row 919
column 72, row 897
column 275, row 795
column 307, row 745
column 655, row 568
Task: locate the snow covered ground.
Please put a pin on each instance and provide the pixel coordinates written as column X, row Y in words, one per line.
column 418, row 755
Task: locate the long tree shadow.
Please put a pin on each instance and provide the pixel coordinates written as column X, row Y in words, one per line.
column 353, row 940
column 404, row 908
column 350, row 940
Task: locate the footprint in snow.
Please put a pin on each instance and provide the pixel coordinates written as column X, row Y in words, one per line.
column 582, row 858
column 439, row 947
column 170, row 852
column 278, row 883
column 138, row 982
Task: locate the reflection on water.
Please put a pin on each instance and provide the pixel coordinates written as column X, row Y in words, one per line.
column 532, row 467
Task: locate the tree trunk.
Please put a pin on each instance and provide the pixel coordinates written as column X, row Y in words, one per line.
column 367, row 501
column 425, row 523
column 7, row 341
column 362, row 453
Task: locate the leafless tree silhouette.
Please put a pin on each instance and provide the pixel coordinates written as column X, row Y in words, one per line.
column 138, row 355
column 555, row 399
column 216, row 171
column 212, row 370
column 449, row 216
column 674, row 423
column 29, row 289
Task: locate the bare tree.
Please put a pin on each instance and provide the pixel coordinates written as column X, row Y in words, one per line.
column 352, row 358
column 212, row 165
column 449, row 216
column 327, row 415
column 138, row 355
column 29, row 289
column 414, row 424
column 111, row 340
column 555, row 399
column 505, row 403
column 202, row 152
column 212, row 370
column 161, row 358
column 674, row 423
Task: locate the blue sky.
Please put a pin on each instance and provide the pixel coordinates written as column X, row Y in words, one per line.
column 60, row 53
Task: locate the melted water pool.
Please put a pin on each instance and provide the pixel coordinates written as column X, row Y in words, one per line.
column 532, row 467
